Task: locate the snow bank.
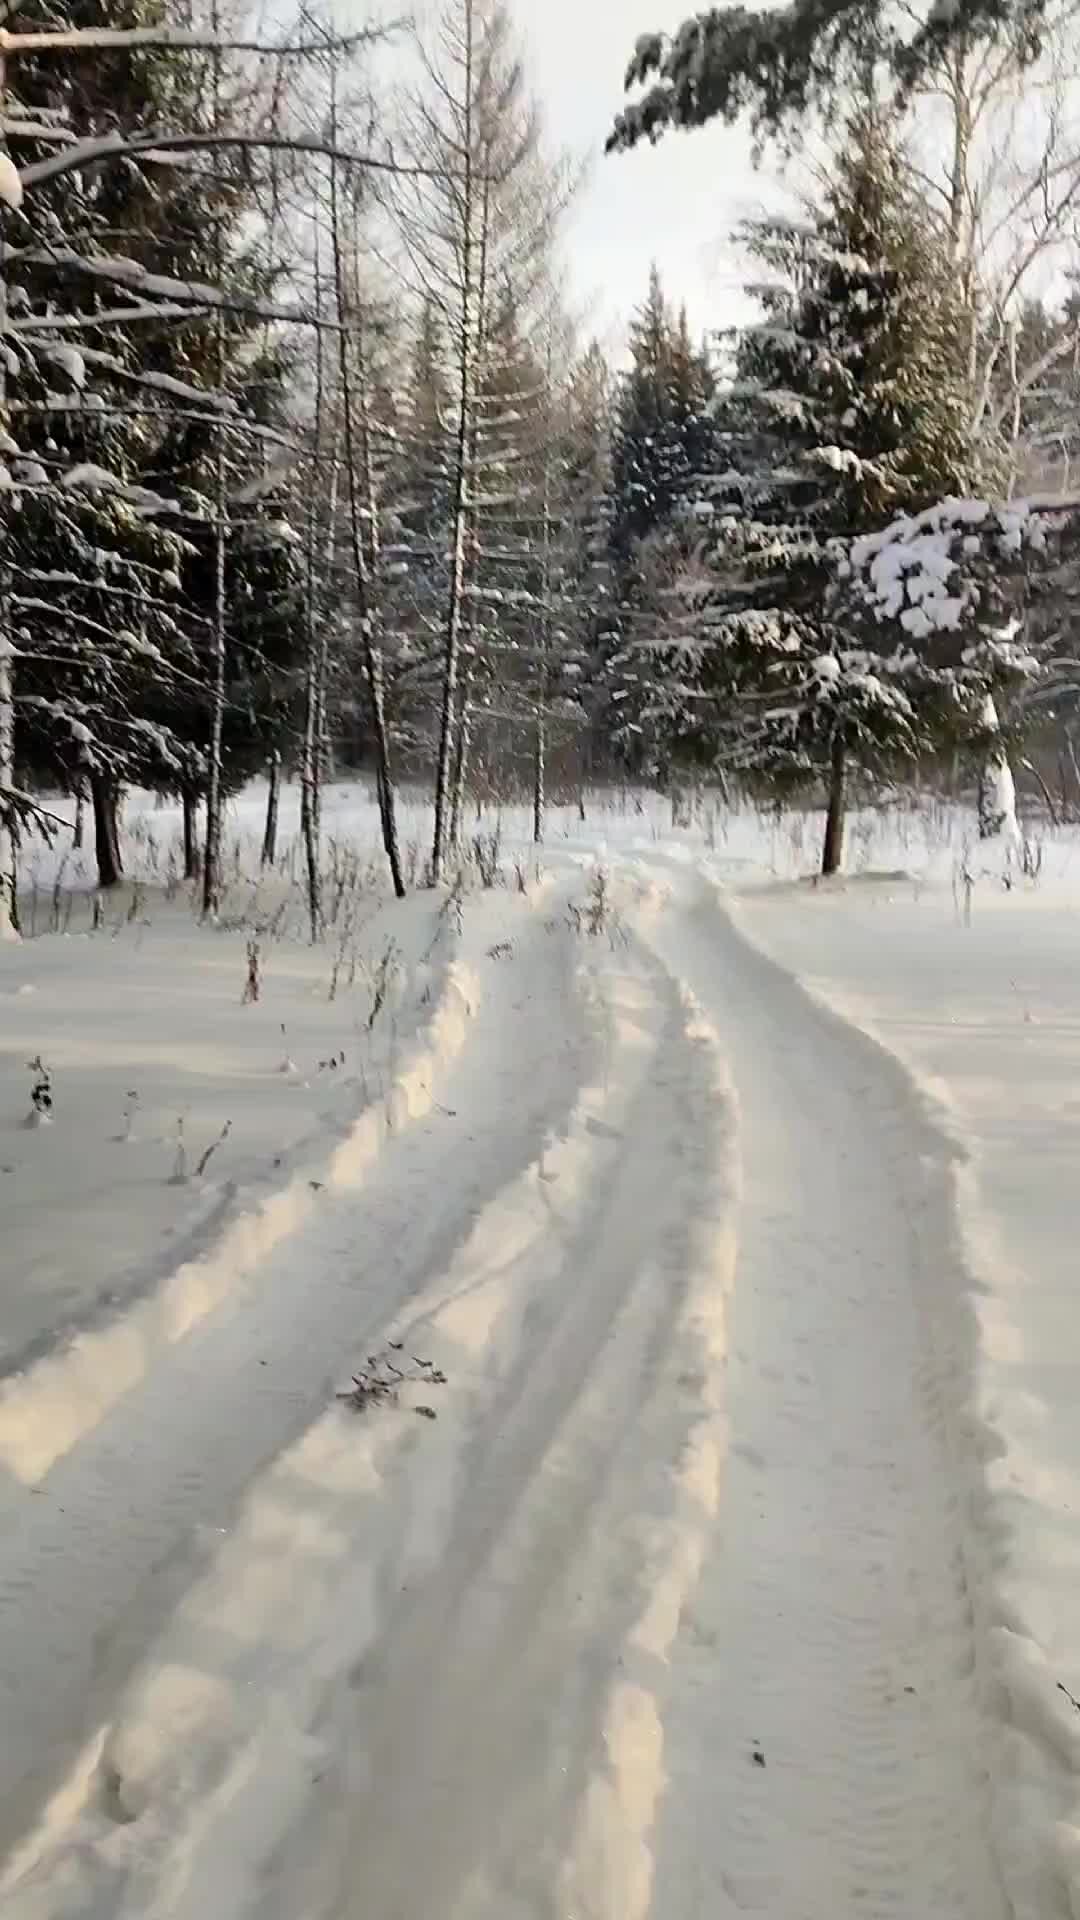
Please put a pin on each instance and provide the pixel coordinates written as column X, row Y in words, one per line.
column 975, row 990
column 134, row 1031
column 310, row 1691
column 612, row 1852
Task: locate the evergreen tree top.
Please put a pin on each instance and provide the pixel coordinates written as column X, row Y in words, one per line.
column 776, row 65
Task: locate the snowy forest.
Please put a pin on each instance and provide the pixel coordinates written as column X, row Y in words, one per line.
column 310, row 466
column 539, row 1015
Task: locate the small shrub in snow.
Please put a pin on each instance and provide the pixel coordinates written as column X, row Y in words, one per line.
column 382, row 980
column 287, row 1065
column 1031, row 858
column 486, row 851
column 451, row 913
column 963, row 887
column 41, row 1094
column 253, row 983
column 179, row 1174
column 379, row 1384
column 596, row 917
column 205, row 1158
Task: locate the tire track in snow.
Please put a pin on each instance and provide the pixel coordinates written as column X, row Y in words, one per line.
column 479, row 1715
column 421, row 1743
column 92, row 1561
column 827, row 1755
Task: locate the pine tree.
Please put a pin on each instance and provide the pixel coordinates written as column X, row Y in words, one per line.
column 662, row 427
column 847, row 406
column 780, row 66
column 113, row 402
column 661, row 446
column 476, row 226
column 94, row 582
column 416, row 530
column 585, row 569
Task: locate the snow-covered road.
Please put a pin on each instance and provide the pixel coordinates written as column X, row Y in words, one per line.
column 674, row 1610
column 833, row 1631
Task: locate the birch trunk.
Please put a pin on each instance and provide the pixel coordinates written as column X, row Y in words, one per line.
column 215, row 799
column 540, row 742
column 463, row 749
column 362, row 585
column 540, row 779
column 315, row 616
column 460, row 509
column 997, row 788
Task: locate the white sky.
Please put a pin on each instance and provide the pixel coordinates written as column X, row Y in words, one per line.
column 675, row 202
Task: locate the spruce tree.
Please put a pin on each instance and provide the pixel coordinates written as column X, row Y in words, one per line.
column 661, row 447
column 94, row 582
column 113, row 400
column 778, row 66
column 846, row 405
column 661, row 429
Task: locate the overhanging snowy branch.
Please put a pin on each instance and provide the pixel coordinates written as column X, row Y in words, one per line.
column 164, row 145
column 120, row 39
column 183, row 296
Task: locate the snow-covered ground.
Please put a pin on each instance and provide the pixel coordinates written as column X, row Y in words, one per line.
column 724, row 1223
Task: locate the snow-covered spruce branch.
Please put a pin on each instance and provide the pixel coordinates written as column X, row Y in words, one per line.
column 188, row 297
column 74, row 364
column 118, row 146
column 61, row 404
column 37, row 130
column 57, row 577
column 127, row 645
column 166, row 671
column 25, row 329
column 189, row 39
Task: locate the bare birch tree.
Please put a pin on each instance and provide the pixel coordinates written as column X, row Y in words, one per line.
column 474, row 223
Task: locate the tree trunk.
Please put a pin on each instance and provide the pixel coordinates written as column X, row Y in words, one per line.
column 215, row 785
column 78, row 833
column 371, row 651
column 444, row 781
column 997, row 788
column 462, row 750
column 1070, row 748
column 958, row 169
column 189, row 801
column 9, row 912
column 273, row 792
column 539, row 780
column 105, row 797
column 1048, row 798
column 540, row 740
column 215, row 798
column 309, row 759
column 8, row 908
column 833, row 850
